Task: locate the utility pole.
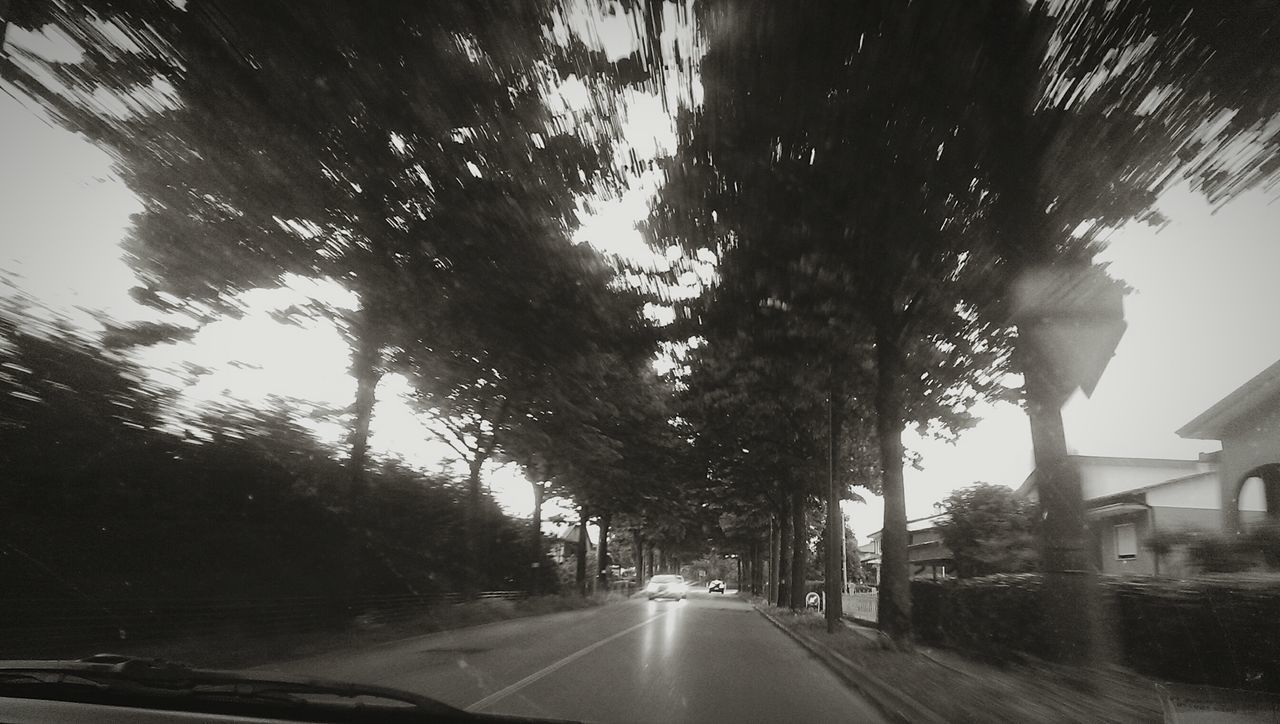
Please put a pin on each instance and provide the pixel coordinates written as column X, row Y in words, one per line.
column 833, row 585
column 844, row 557
column 535, row 582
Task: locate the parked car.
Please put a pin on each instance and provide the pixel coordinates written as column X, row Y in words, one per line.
column 716, row 586
column 667, row 586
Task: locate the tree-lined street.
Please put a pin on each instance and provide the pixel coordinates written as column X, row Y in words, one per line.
column 709, row 658
column 858, row 224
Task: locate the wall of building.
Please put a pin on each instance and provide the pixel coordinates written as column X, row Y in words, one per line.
column 1178, row 518
column 1246, row 446
column 1104, row 541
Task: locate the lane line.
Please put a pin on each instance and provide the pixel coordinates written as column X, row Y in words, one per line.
column 501, row 694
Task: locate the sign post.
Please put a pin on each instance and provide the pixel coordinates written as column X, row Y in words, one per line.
column 1070, row 321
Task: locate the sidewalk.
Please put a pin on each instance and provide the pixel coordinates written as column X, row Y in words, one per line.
column 931, row 685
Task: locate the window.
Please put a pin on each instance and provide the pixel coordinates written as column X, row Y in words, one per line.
column 1126, row 542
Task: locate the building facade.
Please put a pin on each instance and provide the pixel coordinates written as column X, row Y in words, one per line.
column 1127, row 500
column 926, row 554
column 1247, row 423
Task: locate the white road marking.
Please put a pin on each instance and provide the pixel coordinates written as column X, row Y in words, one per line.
column 501, row 694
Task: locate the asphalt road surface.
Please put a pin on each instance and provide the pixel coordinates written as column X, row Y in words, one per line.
column 708, row 658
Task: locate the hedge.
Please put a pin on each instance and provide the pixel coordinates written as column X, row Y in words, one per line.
column 1223, row 631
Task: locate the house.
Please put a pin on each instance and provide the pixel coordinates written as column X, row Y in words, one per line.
column 869, row 559
column 1247, row 423
column 564, row 544
column 926, row 554
column 1129, row 499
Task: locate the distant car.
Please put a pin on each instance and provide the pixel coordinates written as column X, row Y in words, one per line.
column 716, row 586
column 667, row 586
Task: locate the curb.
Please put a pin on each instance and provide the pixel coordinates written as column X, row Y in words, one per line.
column 892, row 703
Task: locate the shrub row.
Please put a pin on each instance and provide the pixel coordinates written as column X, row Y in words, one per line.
column 1217, row 552
column 1218, row 631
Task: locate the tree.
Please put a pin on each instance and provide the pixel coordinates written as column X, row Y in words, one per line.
column 989, row 530
column 871, row 267
column 375, row 173
column 942, row 143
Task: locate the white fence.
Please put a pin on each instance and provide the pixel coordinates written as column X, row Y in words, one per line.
column 862, row 606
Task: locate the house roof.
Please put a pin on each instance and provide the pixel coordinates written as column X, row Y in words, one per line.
column 918, row 524
column 1135, row 499
column 1144, row 488
column 1263, row 389
column 1030, row 483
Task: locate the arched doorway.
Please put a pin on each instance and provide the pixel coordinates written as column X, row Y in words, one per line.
column 1257, row 497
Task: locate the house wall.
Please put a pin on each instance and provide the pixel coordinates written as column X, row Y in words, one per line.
column 1246, row 446
column 1178, row 518
column 1104, row 539
column 926, row 545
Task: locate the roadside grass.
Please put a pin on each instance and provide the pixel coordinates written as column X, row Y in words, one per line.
column 235, row 648
column 959, row 689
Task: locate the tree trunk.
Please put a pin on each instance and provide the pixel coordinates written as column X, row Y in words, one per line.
column 775, row 553
column 895, row 584
column 833, row 574
column 4, row 21
column 580, row 570
column 757, row 568
column 366, row 363
column 1069, row 595
column 602, row 559
column 753, row 569
column 471, row 516
column 535, row 582
column 784, row 554
column 799, row 549
column 637, row 548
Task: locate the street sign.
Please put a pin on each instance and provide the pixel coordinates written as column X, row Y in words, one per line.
column 1074, row 318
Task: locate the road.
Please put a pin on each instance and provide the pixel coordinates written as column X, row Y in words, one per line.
column 709, row 658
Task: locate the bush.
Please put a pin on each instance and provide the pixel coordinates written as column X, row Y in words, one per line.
column 1213, row 631
column 992, row 616
column 1218, row 554
column 989, row 530
column 1265, row 538
column 1163, row 542
column 1217, row 631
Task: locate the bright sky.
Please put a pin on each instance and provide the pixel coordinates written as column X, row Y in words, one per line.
column 1201, row 322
